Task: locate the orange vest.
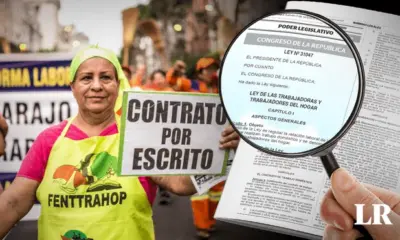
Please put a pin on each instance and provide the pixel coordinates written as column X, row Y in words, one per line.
column 135, row 81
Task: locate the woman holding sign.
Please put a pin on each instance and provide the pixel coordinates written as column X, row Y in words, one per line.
column 71, row 167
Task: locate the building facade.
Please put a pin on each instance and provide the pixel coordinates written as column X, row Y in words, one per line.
column 19, row 25
column 206, row 17
column 197, row 36
column 31, row 25
column 69, row 39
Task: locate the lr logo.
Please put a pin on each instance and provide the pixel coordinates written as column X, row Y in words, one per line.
column 376, row 217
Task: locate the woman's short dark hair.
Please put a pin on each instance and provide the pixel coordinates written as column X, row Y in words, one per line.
column 157, row 71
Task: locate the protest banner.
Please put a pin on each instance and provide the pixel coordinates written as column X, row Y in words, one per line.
column 34, row 95
column 171, row 133
column 203, row 183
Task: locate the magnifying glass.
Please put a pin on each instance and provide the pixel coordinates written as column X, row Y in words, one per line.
column 292, row 84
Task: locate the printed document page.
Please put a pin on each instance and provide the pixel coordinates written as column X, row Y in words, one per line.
column 269, row 192
column 371, row 149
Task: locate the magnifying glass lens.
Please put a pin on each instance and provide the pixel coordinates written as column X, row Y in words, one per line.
column 290, row 83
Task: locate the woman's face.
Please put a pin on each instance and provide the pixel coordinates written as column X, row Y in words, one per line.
column 96, row 86
column 159, row 80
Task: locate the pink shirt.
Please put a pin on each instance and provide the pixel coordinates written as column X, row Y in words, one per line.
column 34, row 164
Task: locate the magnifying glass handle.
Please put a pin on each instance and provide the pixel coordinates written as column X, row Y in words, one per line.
column 330, row 165
column 363, row 231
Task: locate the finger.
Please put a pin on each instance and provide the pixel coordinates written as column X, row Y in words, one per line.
column 230, row 137
column 228, row 130
column 332, row 233
column 2, row 119
column 332, row 213
column 230, row 144
column 3, row 124
column 390, row 198
column 348, row 192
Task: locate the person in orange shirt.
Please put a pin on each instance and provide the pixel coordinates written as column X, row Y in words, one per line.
column 206, row 73
column 175, row 74
column 135, row 80
column 205, row 205
column 158, row 82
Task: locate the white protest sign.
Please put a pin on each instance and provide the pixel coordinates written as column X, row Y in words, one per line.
column 171, row 133
column 203, row 183
column 34, row 95
column 27, row 115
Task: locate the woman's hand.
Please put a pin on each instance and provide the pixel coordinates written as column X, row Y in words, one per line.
column 15, row 202
column 182, row 185
column 3, row 125
column 229, row 138
column 179, row 185
column 338, row 208
column 3, row 134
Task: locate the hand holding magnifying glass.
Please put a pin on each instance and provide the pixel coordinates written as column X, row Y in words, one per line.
column 337, row 208
column 292, row 85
